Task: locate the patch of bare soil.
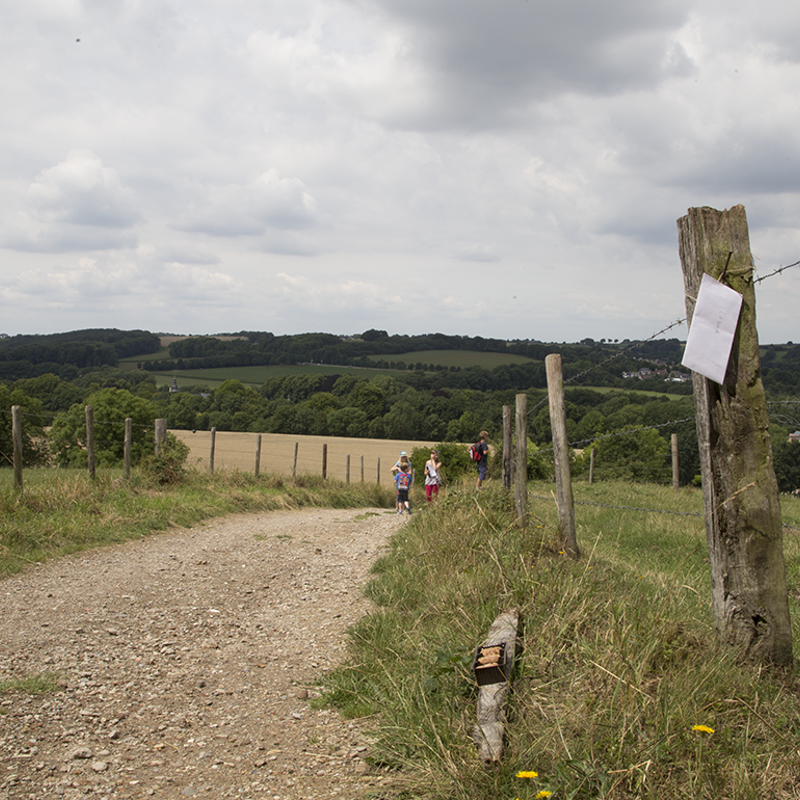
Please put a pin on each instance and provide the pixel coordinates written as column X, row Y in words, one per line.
column 187, row 662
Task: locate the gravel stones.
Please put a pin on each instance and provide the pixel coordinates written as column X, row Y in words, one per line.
column 188, row 660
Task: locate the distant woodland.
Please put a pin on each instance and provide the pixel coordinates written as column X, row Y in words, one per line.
column 53, row 376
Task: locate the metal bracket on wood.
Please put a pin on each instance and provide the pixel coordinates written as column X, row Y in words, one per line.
column 490, row 728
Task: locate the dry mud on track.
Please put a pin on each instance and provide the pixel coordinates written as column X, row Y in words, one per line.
column 187, row 661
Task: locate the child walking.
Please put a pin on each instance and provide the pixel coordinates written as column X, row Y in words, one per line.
column 403, row 481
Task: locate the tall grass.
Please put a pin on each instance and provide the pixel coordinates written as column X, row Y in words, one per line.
column 619, row 661
column 63, row 511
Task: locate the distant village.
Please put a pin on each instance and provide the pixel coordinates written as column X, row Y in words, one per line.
column 660, row 369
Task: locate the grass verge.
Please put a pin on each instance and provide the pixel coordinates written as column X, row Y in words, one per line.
column 620, row 682
column 63, row 511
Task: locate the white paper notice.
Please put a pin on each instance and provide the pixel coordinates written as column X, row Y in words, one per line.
column 716, row 314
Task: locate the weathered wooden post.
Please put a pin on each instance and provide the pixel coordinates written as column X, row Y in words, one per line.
column 347, row 470
column 362, row 469
column 294, row 463
column 126, row 447
column 160, row 434
column 508, row 445
column 379, row 470
column 591, row 466
column 258, row 455
column 16, row 436
column 211, row 454
column 521, row 490
column 558, row 425
column 740, row 492
column 89, row 414
column 324, row 461
column 676, row 475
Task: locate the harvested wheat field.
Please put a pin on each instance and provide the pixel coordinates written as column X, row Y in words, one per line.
column 233, row 450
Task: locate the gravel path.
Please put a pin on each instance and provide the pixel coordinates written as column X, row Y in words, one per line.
column 188, row 660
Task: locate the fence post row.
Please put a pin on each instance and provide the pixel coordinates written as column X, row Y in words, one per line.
column 16, row 435
column 126, row 447
column 89, row 415
column 507, row 447
column 521, row 494
column 558, row 425
column 211, row 454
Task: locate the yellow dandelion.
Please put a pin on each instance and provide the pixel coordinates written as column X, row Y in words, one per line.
column 530, row 774
column 702, row 728
column 544, row 793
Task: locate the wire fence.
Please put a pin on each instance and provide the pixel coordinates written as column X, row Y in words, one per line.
column 345, row 458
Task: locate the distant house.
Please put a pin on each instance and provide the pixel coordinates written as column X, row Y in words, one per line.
column 174, row 387
column 794, row 437
column 678, row 377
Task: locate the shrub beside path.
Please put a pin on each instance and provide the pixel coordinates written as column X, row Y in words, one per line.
column 186, row 663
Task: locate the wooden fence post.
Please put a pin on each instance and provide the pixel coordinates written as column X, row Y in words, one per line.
column 16, row 435
column 362, row 469
column 160, row 433
column 294, row 463
column 558, row 425
column 749, row 596
column 347, row 470
column 211, row 454
column 591, row 466
column 676, row 475
column 126, row 447
column 521, row 494
column 508, row 446
column 258, row 455
column 89, row 414
column 324, row 461
column 379, row 470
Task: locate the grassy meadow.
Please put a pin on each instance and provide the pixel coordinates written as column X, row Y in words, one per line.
column 619, row 691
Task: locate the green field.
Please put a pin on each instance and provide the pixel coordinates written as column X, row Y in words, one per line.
column 455, row 358
column 256, row 376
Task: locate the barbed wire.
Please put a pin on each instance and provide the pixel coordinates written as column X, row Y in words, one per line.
column 640, row 509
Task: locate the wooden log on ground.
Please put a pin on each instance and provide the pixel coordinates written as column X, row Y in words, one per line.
column 490, row 728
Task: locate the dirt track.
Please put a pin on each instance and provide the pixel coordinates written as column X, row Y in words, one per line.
column 187, row 661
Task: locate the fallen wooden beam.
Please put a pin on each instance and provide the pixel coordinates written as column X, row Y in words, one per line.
column 490, row 728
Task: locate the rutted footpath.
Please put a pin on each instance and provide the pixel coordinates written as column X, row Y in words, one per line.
column 187, row 660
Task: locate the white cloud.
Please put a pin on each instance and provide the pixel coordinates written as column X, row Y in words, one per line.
column 265, row 203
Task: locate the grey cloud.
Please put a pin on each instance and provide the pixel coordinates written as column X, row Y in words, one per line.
column 501, row 58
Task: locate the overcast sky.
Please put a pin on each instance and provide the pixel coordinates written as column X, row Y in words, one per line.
column 503, row 168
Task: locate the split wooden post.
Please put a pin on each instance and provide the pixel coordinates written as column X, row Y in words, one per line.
column 16, row 435
column 324, row 461
column 558, row 425
column 126, row 447
column 521, row 491
column 749, row 596
column 508, row 447
column 488, row 732
column 294, row 463
column 676, row 475
column 258, row 455
column 89, row 414
column 591, row 466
